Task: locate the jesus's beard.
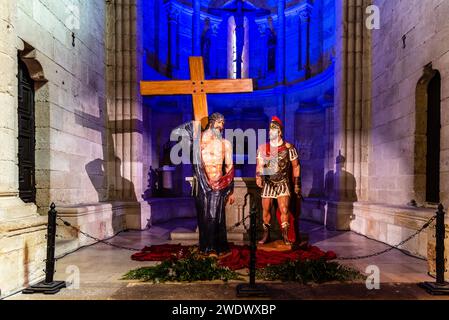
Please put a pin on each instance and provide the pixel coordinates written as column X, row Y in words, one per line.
column 217, row 133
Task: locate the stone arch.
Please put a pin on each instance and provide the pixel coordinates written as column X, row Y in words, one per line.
column 422, row 148
column 28, row 56
column 32, row 59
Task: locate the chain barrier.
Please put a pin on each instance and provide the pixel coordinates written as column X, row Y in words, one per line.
column 424, row 227
column 106, row 242
column 238, row 224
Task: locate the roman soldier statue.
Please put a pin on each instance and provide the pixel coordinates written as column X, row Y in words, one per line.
column 278, row 174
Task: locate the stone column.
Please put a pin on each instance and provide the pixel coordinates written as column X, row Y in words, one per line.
column 280, row 52
column 329, row 131
column 263, row 50
column 196, row 28
column 213, row 65
column 305, row 41
column 351, row 102
column 173, row 14
column 8, row 96
column 126, row 179
column 11, row 207
column 280, row 60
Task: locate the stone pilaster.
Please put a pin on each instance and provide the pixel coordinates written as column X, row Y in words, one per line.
column 351, row 103
column 11, row 207
column 173, row 14
column 22, row 231
column 196, row 28
column 263, row 49
column 214, row 48
column 8, row 97
column 124, row 103
column 304, row 61
column 280, row 53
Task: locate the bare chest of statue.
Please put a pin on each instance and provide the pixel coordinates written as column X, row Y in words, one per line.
column 212, row 154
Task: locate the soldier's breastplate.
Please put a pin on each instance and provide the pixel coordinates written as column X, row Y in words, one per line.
column 279, row 167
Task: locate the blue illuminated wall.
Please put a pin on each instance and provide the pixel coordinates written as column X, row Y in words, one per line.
column 302, row 94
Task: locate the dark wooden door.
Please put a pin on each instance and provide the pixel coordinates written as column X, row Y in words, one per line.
column 27, row 133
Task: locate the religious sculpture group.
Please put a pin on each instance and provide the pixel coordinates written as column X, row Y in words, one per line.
column 277, row 173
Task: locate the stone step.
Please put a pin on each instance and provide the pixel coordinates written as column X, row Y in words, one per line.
column 65, row 246
column 189, row 235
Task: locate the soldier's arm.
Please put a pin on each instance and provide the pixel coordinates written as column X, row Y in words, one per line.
column 296, row 166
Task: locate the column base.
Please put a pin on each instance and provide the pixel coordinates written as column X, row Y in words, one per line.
column 339, row 215
column 13, row 208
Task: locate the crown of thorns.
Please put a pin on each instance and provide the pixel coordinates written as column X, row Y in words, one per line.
column 215, row 117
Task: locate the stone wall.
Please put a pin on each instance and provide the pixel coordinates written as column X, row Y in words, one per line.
column 71, row 105
column 82, row 57
column 381, row 147
column 396, row 69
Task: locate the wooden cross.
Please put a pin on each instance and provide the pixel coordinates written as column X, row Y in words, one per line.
column 198, row 87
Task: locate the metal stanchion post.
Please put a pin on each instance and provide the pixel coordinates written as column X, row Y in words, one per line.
column 440, row 287
column 252, row 289
column 49, row 286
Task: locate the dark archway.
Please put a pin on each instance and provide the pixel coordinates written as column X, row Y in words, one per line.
column 428, row 137
column 29, row 60
column 26, row 135
column 433, row 139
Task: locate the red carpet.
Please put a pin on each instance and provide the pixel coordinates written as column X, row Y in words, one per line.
column 239, row 257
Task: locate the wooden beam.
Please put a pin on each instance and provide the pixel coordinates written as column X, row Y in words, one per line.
column 201, row 108
column 159, row 88
column 228, row 86
column 196, row 68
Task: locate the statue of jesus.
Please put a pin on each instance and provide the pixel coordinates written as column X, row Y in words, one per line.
column 213, row 186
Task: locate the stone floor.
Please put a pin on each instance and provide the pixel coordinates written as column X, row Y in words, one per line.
column 101, row 267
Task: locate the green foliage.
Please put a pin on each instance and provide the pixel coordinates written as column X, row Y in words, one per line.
column 195, row 267
column 190, row 269
column 315, row 271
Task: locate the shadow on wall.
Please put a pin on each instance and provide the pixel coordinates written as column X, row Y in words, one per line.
column 105, row 175
column 98, row 176
column 340, row 194
column 346, row 191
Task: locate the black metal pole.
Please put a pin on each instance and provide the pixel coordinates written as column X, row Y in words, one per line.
column 440, row 287
column 252, row 289
column 440, row 236
column 51, row 239
column 49, row 286
column 253, row 247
